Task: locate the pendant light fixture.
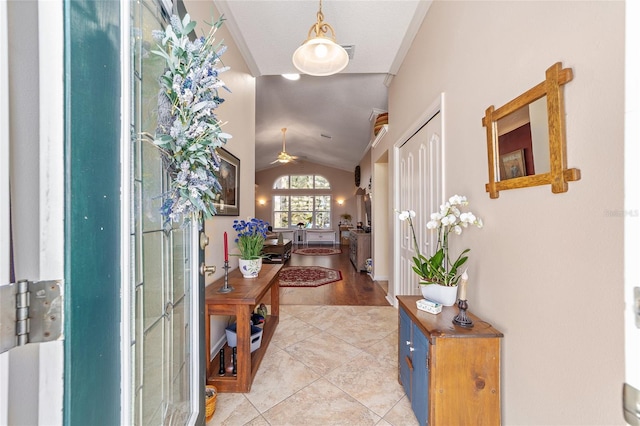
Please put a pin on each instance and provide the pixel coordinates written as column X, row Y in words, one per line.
column 320, row 55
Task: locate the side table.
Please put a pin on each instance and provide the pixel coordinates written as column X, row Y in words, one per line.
column 275, row 252
column 247, row 293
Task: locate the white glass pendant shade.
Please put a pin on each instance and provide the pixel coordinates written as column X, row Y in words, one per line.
column 320, row 57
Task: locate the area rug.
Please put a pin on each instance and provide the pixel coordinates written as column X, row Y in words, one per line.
column 317, row 251
column 308, row 276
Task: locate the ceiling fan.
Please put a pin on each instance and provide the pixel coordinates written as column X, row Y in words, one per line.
column 284, row 157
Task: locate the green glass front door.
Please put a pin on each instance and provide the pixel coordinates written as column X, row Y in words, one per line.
column 162, row 345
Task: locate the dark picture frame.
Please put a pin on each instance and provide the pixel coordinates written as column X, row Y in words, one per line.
column 228, row 201
column 512, row 165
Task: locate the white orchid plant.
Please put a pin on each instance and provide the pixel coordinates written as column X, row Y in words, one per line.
column 188, row 130
column 440, row 268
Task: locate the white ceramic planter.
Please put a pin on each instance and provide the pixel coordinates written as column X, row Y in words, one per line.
column 250, row 267
column 439, row 293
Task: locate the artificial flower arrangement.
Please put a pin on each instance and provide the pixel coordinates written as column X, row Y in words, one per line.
column 251, row 236
column 189, row 131
column 439, row 268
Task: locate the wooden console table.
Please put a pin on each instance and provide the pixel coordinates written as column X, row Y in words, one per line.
column 320, row 236
column 241, row 302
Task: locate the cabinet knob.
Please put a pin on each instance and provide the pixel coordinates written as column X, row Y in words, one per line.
column 408, row 342
column 411, row 349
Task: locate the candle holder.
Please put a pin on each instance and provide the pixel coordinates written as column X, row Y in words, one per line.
column 226, row 288
column 461, row 319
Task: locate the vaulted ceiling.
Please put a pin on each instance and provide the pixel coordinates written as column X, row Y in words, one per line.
column 327, row 118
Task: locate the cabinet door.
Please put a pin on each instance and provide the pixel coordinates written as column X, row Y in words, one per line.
column 404, row 352
column 420, row 375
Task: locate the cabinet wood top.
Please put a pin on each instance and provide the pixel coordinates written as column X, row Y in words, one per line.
column 246, row 291
column 440, row 325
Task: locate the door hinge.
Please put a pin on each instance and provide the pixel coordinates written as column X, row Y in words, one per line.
column 30, row 312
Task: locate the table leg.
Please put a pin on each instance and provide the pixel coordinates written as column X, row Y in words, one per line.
column 207, row 340
column 243, row 338
column 275, row 299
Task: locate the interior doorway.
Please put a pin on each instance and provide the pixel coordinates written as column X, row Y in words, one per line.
column 381, row 247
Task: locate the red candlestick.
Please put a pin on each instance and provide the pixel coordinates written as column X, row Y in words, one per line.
column 226, row 248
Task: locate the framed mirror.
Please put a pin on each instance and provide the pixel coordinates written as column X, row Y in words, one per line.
column 526, row 138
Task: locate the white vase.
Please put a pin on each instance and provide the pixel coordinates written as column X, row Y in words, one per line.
column 250, row 267
column 442, row 294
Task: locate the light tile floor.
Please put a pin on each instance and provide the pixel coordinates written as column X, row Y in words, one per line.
column 325, row 365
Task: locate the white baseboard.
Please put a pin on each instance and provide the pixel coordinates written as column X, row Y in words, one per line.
column 392, row 301
column 215, row 348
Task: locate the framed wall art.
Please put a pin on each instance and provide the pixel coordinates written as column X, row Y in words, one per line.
column 228, row 203
column 512, row 165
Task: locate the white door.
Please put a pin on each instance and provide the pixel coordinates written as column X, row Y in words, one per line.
column 632, row 215
column 420, row 180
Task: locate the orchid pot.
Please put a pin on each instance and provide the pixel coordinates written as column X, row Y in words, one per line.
column 445, row 295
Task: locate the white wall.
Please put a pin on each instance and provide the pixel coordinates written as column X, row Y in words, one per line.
column 238, row 111
column 547, row 269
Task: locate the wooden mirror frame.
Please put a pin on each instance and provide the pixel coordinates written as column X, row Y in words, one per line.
column 558, row 175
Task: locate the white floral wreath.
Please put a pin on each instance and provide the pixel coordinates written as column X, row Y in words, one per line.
column 188, row 130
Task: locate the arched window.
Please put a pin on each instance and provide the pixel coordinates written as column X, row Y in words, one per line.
column 301, row 199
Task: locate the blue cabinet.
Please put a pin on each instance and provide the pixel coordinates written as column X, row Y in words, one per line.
column 451, row 374
column 404, row 353
column 414, row 350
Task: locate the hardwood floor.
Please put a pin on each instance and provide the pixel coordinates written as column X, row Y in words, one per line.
column 355, row 288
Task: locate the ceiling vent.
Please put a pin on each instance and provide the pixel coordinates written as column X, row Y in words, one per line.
column 350, row 48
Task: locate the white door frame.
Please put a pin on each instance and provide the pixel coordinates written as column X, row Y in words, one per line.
column 632, row 190
column 4, row 195
column 438, row 105
column 51, row 87
column 45, row 407
column 125, row 214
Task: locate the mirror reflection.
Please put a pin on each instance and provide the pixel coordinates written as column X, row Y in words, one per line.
column 526, row 138
column 523, row 141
